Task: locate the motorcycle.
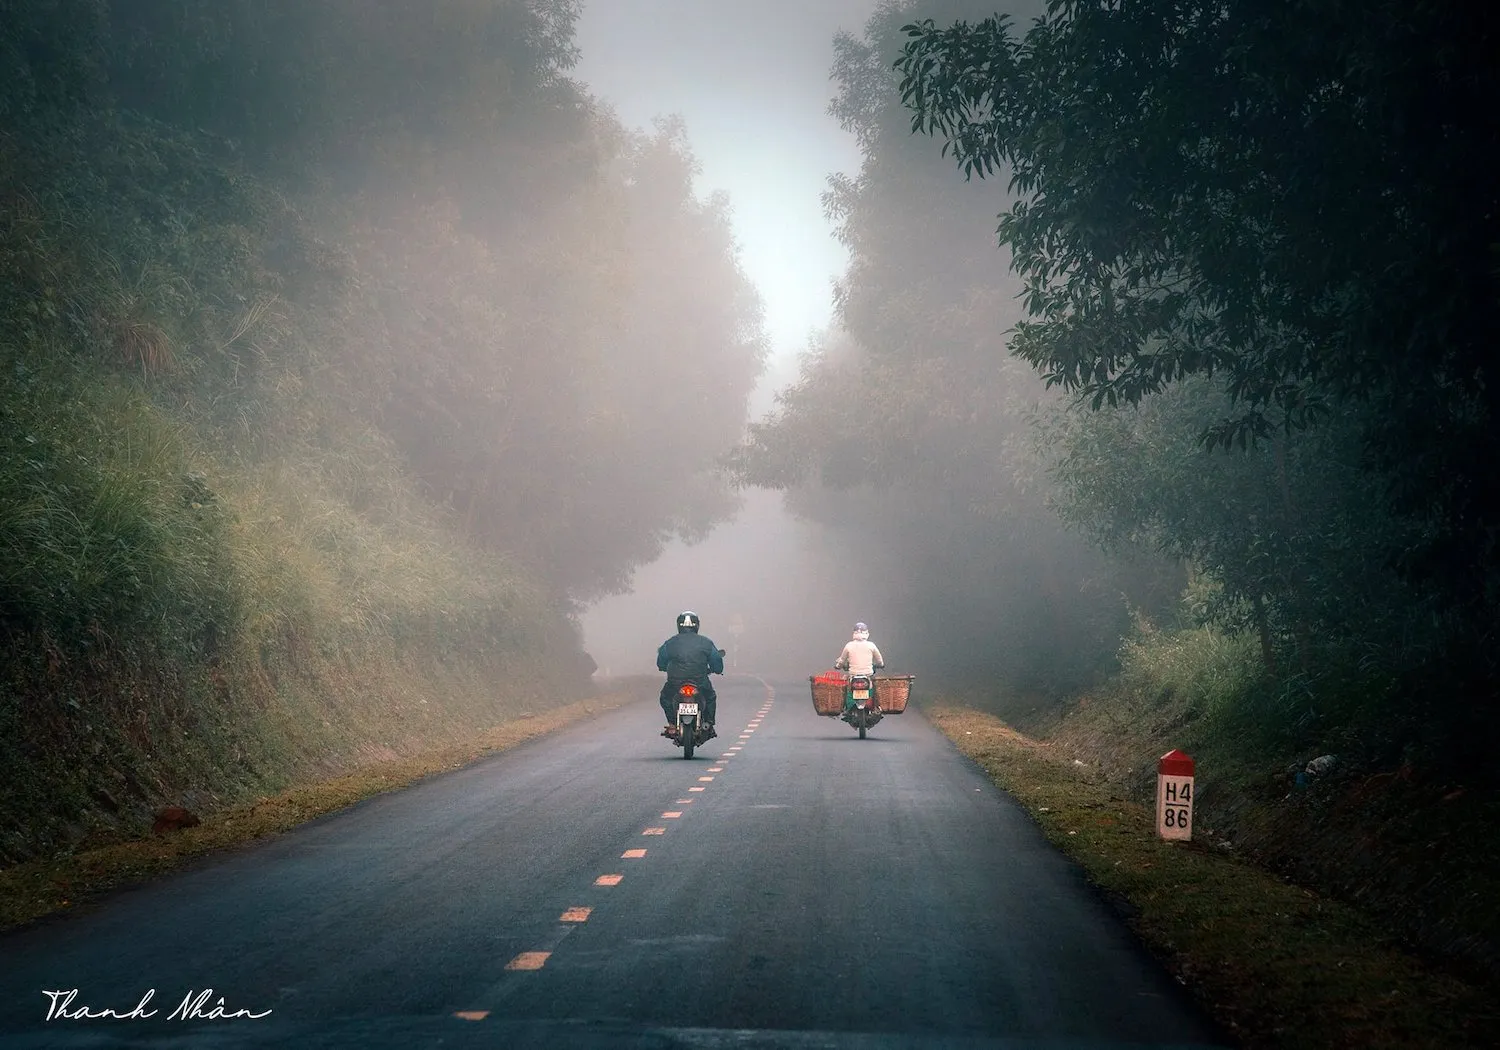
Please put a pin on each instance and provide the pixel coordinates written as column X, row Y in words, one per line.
column 689, row 730
column 865, row 712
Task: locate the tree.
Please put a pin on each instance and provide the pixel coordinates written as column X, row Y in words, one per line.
column 1283, row 529
column 908, row 432
column 392, row 224
column 1294, row 198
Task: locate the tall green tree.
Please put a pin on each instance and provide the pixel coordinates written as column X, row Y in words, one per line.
column 397, row 224
column 1294, row 198
column 1282, row 534
column 908, row 432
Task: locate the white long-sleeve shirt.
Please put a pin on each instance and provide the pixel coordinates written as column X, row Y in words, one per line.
column 860, row 657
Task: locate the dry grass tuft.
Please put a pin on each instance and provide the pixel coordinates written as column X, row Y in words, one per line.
column 143, row 345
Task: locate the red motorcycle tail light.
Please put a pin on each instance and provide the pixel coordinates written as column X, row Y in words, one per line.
column 688, row 690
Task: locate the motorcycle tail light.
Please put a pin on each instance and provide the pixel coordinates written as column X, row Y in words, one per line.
column 688, row 690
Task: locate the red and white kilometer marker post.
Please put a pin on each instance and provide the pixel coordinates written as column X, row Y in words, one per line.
column 1174, row 795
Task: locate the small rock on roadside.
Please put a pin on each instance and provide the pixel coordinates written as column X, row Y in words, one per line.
column 173, row 818
column 1321, row 765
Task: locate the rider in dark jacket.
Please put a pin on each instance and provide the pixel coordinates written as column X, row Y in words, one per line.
column 689, row 657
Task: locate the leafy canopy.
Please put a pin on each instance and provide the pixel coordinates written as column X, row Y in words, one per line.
column 1294, row 198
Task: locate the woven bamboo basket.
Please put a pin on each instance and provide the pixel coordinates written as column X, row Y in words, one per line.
column 828, row 692
column 892, row 692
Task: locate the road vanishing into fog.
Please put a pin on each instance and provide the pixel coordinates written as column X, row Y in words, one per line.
column 791, row 886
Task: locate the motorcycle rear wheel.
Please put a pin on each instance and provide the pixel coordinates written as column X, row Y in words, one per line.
column 689, row 734
column 862, row 725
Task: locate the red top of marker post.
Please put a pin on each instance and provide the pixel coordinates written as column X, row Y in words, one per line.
column 1174, row 764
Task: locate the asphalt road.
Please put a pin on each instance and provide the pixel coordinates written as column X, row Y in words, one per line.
column 791, row 886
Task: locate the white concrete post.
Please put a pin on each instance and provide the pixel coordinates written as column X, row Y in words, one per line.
column 1174, row 796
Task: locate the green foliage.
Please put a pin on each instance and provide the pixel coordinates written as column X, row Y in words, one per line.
column 1290, row 199
column 1284, row 531
column 50, row 58
column 1209, row 668
column 325, row 90
column 106, row 531
column 625, row 306
column 419, row 308
column 346, row 348
column 909, row 429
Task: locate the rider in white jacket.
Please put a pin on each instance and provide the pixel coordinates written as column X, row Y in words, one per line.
column 860, row 656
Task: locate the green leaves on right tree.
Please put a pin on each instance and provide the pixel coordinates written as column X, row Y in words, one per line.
column 1297, row 199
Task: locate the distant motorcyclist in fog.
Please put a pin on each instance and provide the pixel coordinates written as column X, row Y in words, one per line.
column 689, row 657
column 860, row 657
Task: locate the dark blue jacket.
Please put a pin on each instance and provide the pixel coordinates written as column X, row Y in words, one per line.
column 689, row 657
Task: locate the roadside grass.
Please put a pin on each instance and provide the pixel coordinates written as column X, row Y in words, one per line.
column 42, row 888
column 1276, row 964
column 180, row 625
column 1400, row 826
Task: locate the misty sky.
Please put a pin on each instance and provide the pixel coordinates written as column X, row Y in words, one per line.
column 751, row 80
column 771, row 572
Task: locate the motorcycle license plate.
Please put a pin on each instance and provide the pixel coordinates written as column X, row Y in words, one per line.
column 861, row 694
column 687, row 709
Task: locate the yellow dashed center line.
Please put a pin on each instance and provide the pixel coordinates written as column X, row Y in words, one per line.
column 471, row 1015
column 536, row 960
column 528, row 961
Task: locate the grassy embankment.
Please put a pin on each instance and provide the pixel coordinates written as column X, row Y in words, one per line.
column 241, row 642
column 189, row 633
column 1359, row 910
column 219, row 582
column 40, row 888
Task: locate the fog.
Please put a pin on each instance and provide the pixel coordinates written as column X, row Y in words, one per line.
column 645, row 306
column 770, row 587
column 776, row 99
column 777, row 577
column 752, row 84
column 348, row 341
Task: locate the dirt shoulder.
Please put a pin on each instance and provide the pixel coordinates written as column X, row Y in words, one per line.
column 1276, row 964
column 34, row 890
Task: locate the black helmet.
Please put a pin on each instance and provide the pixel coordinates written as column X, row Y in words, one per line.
column 687, row 621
